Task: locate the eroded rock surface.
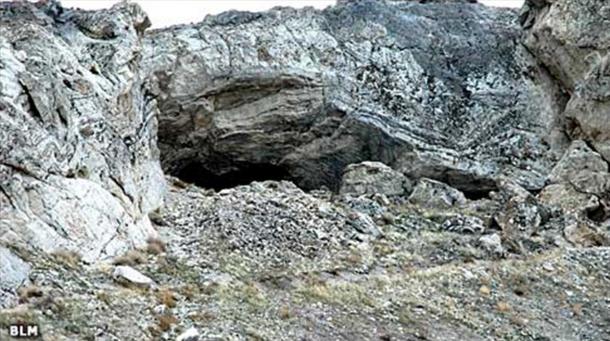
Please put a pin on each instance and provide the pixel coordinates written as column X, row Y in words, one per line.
column 310, row 92
column 79, row 165
column 571, row 39
column 460, row 190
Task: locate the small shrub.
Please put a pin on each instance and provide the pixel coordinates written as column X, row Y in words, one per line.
column 167, row 298
column 67, row 257
column 166, row 322
column 155, row 246
column 27, row 292
column 131, row 258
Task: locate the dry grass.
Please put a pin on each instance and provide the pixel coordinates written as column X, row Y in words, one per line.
column 346, row 294
column 67, row 257
column 27, row 292
column 166, row 321
column 285, row 313
column 155, row 246
column 131, row 258
column 503, row 307
column 167, row 297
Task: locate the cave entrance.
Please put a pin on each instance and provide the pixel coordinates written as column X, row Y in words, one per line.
column 199, row 175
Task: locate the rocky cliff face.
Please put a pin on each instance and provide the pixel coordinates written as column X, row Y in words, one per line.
column 571, row 39
column 306, row 92
column 444, row 172
column 79, row 164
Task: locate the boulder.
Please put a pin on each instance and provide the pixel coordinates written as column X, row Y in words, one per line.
column 130, row 276
column 368, row 178
column 434, row 194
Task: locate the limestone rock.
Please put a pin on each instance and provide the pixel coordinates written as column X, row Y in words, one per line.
column 374, row 178
column 577, row 159
column 564, row 196
column 571, row 39
column 301, row 94
column 13, row 272
column 435, row 194
column 130, row 275
column 580, row 182
column 492, row 243
column 79, row 165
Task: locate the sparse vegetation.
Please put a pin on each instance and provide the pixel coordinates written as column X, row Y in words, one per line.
column 167, row 297
column 131, row 258
column 67, row 257
column 165, row 322
column 29, row 291
column 155, row 246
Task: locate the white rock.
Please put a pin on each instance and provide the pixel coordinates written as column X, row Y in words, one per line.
column 492, row 242
column 129, row 274
column 190, row 334
column 13, row 272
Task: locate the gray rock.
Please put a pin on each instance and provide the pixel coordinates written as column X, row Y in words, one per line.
column 79, row 165
column 492, row 243
column 579, row 178
column 13, row 272
column 570, row 38
column 374, row 178
column 564, row 196
column 364, row 224
column 577, row 159
column 435, row 194
column 463, row 224
column 301, row 94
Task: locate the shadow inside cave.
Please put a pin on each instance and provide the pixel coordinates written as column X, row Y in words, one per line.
column 198, row 174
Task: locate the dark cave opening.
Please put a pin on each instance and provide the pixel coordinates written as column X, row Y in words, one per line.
column 198, row 174
column 598, row 214
column 471, row 194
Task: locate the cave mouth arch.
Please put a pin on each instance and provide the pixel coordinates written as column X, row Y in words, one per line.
column 197, row 173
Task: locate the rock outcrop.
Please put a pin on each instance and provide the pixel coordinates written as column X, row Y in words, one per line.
column 374, row 178
column 444, row 172
column 303, row 93
column 79, row 167
column 571, row 39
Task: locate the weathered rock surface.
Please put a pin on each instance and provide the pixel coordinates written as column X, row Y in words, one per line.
column 301, row 94
column 431, row 193
column 425, row 127
column 79, row 165
column 374, row 178
column 308, row 275
column 571, row 39
column 580, row 182
column 14, row 272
